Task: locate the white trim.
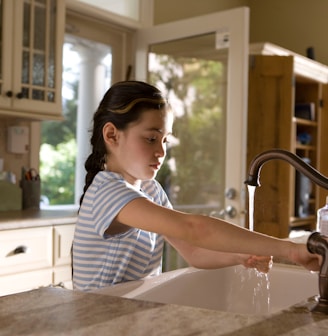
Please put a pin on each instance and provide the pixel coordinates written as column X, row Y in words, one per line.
column 107, row 16
column 147, row 13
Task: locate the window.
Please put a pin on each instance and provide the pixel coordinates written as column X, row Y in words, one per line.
column 85, row 65
column 89, row 54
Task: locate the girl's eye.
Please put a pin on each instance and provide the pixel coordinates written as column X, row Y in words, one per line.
column 151, row 139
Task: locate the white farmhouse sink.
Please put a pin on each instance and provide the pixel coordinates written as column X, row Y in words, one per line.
column 231, row 289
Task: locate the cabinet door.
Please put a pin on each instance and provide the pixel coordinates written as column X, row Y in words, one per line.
column 63, row 237
column 270, row 111
column 36, row 53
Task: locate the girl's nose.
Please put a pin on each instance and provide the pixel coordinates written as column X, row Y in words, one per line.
column 161, row 150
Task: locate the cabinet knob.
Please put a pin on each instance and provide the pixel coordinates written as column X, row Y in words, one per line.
column 20, row 95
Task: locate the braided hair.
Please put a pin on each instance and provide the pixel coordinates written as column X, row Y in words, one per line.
column 122, row 104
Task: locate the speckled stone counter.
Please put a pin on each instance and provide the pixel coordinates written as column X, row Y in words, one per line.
column 10, row 220
column 56, row 311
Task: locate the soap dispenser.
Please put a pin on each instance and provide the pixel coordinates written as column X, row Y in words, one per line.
column 322, row 219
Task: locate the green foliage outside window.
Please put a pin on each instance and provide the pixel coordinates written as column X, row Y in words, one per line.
column 58, row 155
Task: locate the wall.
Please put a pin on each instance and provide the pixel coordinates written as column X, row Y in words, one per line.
column 168, row 10
column 292, row 24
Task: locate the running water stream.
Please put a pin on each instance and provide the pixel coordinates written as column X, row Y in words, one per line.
column 255, row 284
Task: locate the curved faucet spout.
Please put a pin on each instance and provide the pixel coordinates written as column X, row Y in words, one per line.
column 280, row 154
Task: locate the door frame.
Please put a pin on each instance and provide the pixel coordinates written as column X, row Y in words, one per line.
column 236, row 23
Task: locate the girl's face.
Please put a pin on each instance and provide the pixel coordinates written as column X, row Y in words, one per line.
column 141, row 148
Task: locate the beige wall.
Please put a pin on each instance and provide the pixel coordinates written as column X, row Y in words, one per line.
column 292, row 24
column 173, row 10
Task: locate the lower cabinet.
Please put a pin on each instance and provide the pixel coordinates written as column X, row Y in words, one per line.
column 34, row 257
column 62, row 270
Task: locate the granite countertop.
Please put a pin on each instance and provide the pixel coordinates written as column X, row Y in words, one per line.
column 57, row 311
column 18, row 219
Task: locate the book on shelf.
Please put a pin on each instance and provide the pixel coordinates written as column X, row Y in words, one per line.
column 305, row 111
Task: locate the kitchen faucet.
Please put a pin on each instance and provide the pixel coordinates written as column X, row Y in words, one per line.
column 316, row 243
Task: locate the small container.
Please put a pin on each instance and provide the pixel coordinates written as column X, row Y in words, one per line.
column 322, row 219
column 31, row 194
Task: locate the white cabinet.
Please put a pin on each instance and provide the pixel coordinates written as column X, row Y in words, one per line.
column 34, row 257
column 31, row 39
column 63, row 237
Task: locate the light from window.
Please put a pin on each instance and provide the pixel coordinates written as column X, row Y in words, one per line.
column 60, row 150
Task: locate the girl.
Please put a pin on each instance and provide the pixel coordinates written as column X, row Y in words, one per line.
column 125, row 215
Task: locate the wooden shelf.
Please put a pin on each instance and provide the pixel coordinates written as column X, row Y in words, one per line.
column 305, row 147
column 305, row 122
column 298, row 221
column 278, row 80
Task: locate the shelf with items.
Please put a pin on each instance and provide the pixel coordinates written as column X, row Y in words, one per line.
column 287, row 95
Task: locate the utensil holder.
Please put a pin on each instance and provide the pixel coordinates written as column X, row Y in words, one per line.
column 31, row 190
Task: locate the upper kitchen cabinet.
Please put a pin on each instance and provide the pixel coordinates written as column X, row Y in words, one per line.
column 31, row 40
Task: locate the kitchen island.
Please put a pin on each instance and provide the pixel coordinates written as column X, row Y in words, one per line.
column 57, row 311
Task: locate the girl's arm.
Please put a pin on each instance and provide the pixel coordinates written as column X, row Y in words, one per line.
column 207, row 259
column 211, row 233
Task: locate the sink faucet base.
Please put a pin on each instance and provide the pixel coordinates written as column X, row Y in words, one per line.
column 321, row 307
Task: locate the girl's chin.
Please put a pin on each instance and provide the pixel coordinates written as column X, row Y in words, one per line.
column 152, row 175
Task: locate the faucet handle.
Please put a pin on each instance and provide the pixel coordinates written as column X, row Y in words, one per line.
column 318, row 244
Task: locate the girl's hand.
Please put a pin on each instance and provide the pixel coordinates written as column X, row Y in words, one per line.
column 261, row 263
column 300, row 255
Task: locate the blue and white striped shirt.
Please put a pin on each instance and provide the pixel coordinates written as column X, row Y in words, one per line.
column 101, row 260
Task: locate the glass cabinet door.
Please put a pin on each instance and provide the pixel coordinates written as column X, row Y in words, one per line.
column 31, row 39
column 38, row 46
column 39, row 55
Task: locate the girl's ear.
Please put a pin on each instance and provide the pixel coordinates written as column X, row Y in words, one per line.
column 110, row 133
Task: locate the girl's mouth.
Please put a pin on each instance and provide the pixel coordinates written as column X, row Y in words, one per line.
column 156, row 166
